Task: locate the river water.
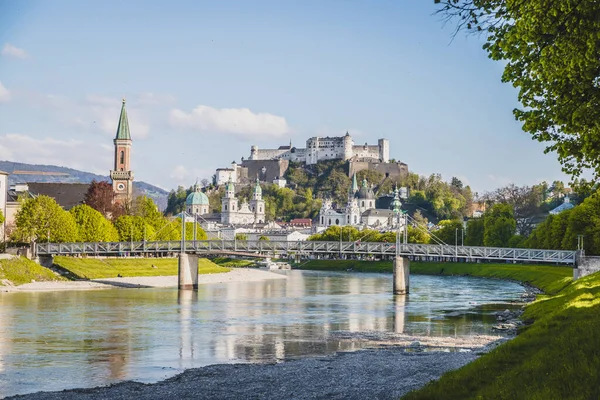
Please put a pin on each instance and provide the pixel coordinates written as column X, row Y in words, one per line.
column 59, row 340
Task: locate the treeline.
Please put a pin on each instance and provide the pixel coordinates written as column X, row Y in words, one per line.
column 42, row 219
column 562, row 230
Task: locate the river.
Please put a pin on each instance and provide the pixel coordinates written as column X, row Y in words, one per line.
column 60, row 340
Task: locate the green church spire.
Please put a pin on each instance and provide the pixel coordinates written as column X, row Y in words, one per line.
column 354, row 184
column 123, row 128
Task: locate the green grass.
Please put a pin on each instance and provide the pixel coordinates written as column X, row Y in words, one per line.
column 233, row 262
column 21, row 270
column 557, row 357
column 548, row 278
column 94, row 268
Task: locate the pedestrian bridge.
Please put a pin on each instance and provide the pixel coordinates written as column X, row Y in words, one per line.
column 262, row 248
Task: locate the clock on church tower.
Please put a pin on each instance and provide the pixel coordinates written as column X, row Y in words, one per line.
column 121, row 175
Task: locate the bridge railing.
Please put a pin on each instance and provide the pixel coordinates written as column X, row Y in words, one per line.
column 309, row 248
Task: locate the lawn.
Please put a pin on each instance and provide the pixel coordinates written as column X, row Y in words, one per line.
column 21, row 270
column 94, row 268
column 233, row 262
column 557, row 357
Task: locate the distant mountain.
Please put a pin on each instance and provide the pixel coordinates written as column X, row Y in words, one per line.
column 23, row 173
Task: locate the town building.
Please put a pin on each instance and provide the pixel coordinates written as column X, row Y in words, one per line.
column 121, row 175
column 566, row 205
column 246, row 213
column 361, row 210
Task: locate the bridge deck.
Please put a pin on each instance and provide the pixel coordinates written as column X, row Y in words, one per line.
column 260, row 248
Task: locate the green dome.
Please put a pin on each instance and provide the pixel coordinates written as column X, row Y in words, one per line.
column 196, row 198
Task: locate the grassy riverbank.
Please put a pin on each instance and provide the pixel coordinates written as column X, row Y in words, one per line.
column 94, row 268
column 20, row 270
column 548, row 278
column 557, row 357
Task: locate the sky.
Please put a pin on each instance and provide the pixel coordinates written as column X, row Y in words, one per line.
column 206, row 80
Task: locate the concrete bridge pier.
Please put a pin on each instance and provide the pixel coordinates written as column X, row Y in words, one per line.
column 45, row 261
column 401, row 275
column 188, row 271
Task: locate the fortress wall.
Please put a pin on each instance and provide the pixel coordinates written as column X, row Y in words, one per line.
column 267, row 170
column 268, row 154
column 387, row 169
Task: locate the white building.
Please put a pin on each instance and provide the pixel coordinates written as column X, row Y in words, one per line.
column 246, row 213
column 224, row 175
column 325, row 148
column 361, row 210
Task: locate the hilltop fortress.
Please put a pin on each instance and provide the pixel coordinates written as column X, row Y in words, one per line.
column 270, row 165
column 327, row 148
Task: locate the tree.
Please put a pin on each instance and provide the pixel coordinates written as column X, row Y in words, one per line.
column 100, row 197
column 456, row 183
column 499, row 225
column 550, row 49
column 133, row 228
column 525, row 202
column 450, row 231
column 418, row 235
column 92, row 226
column 42, row 219
column 475, row 232
column 241, row 236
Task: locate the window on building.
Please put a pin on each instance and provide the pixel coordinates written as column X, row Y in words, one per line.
column 233, row 207
column 225, row 207
column 122, row 157
column 355, row 221
column 259, row 209
column 363, row 203
column 329, row 221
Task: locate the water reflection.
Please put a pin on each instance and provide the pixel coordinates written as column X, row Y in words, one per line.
column 53, row 341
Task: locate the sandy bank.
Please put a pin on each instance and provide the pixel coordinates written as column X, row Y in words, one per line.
column 235, row 275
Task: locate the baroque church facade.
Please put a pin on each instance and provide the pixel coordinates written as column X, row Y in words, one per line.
column 361, row 210
column 122, row 175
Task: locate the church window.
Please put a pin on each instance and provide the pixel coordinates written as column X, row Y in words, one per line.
column 259, row 209
column 337, row 221
column 329, row 221
column 225, row 207
column 362, row 204
column 122, row 158
column 322, row 220
column 233, row 207
column 348, row 219
column 355, row 219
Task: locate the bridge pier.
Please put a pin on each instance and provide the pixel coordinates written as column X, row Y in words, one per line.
column 401, row 275
column 188, row 271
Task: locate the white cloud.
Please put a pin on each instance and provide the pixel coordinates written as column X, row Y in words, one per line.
column 11, row 51
column 67, row 153
column 235, row 121
column 4, row 94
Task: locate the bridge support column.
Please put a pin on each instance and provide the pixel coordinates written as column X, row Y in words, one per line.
column 401, row 275
column 45, row 261
column 188, row 271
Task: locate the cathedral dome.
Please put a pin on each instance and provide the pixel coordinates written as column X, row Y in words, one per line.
column 365, row 192
column 196, row 198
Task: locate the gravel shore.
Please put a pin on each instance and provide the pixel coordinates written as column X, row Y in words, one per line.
column 386, row 373
column 235, row 275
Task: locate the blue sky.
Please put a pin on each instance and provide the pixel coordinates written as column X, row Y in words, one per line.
column 206, row 80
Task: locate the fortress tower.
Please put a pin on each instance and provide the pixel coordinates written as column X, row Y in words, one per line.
column 121, row 175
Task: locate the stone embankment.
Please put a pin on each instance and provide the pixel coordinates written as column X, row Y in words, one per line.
column 509, row 321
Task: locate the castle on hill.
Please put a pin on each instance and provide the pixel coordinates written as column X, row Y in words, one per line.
column 270, row 165
column 325, row 148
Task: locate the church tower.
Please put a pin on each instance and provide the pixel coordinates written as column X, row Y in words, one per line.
column 229, row 204
column 121, row 175
column 257, row 204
